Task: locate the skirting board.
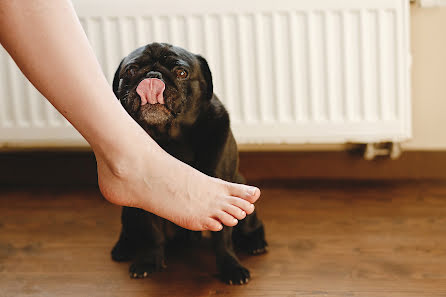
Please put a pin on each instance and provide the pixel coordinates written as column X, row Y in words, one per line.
column 79, row 168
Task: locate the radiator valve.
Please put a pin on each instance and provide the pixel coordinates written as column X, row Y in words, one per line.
column 391, row 149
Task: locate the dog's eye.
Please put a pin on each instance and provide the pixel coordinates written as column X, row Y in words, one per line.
column 131, row 70
column 181, row 73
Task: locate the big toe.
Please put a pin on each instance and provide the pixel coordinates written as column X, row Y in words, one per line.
column 248, row 193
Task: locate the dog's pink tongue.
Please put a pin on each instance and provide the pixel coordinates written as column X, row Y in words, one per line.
column 151, row 90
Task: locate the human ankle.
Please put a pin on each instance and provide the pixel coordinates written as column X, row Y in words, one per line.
column 114, row 160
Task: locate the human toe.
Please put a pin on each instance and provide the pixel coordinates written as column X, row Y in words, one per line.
column 226, row 218
column 235, row 211
column 248, row 193
column 242, row 204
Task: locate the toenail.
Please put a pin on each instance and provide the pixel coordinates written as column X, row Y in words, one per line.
column 252, row 191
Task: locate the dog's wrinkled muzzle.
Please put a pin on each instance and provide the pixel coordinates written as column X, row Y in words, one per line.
column 151, row 91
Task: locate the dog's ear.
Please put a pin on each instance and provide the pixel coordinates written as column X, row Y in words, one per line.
column 207, row 77
column 116, row 79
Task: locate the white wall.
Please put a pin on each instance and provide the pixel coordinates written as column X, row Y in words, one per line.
column 428, row 38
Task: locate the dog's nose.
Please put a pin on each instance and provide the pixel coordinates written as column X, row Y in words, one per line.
column 154, row 74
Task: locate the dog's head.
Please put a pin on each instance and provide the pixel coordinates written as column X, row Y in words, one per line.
column 159, row 84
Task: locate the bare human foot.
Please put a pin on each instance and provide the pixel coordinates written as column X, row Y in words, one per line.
column 158, row 183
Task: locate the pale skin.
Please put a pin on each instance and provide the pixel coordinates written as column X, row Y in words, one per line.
column 47, row 42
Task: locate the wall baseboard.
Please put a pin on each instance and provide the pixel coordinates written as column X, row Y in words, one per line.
column 342, row 165
column 79, row 168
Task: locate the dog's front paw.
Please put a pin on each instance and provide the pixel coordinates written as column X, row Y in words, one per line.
column 141, row 269
column 235, row 275
column 253, row 243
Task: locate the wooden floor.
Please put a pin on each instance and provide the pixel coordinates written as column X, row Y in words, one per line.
column 326, row 239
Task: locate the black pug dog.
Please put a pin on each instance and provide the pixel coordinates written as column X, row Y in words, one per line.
column 169, row 92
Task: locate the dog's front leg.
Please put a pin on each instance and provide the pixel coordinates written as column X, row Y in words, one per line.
column 228, row 266
column 149, row 238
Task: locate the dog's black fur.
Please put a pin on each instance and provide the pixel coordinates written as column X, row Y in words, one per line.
column 192, row 126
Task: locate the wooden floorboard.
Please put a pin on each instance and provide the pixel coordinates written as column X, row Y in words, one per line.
column 326, row 239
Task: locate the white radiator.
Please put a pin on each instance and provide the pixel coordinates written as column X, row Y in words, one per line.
column 289, row 71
